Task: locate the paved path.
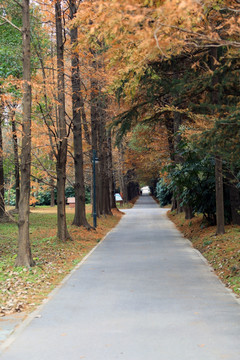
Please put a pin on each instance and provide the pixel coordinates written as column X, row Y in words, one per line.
column 143, row 294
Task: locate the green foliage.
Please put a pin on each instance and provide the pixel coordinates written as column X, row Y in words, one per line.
column 44, row 196
column 10, row 197
column 163, row 193
column 224, row 138
column 8, row 166
column 69, row 192
column 193, row 180
column 10, row 40
column 88, row 196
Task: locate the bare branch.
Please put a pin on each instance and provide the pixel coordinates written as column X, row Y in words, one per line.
column 157, row 42
column 213, row 42
column 18, row 3
column 69, row 125
column 45, row 182
column 230, row 9
column 43, row 167
column 9, row 22
column 71, row 154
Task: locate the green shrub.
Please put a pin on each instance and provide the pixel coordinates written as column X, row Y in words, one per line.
column 163, row 193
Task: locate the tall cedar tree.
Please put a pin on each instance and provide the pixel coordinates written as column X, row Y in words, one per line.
column 77, row 105
column 111, row 174
column 24, row 257
column 94, row 122
column 103, row 154
column 218, row 161
column 99, row 138
column 2, row 204
column 63, row 234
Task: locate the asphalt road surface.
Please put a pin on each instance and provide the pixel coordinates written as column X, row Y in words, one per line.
column 143, row 294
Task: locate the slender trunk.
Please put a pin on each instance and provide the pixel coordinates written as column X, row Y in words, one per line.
column 77, row 104
column 101, row 190
column 52, row 200
column 111, row 174
column 177, row 158
column 94, row 129
column 179, row 207
column 218, row 160
column 16, row 160
column 219, row 196
column 122, row 178
column 63, row 234
column 24, row 257
column 108, row 179
column 106, row 207
column 104, row 195
column 234, row 197
column 2, row 203
column 169, row 123
column 84, row 121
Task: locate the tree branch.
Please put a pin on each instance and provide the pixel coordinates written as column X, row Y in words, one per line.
column 45, row 182
column 200, row 36
column 18, row 3
column 230, row 9
column 44, row 168
column 9, row 22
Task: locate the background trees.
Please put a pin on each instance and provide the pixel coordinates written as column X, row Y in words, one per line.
column 152, row 87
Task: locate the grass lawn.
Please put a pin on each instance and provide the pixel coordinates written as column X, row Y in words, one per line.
column 222, row 251
column 22, row 289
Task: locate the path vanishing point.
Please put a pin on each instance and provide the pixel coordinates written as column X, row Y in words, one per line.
column 143, row 294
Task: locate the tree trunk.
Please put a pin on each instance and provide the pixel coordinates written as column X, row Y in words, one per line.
column 218, row 160
column 174, row 204
column 84, row 121
column 2, row 203
column 172, row 125
column 177, row 158
column 111, row 174
column 234, row 197
column 105, row 208
column 219, row 196
column 77, row 104
column 94, row 129
column 121, row 177
column 188, row 212
column 169, row 123
column 101, row 164
column 24, row 257
column 63, row 234
column 16, row 160
column 52, row 200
